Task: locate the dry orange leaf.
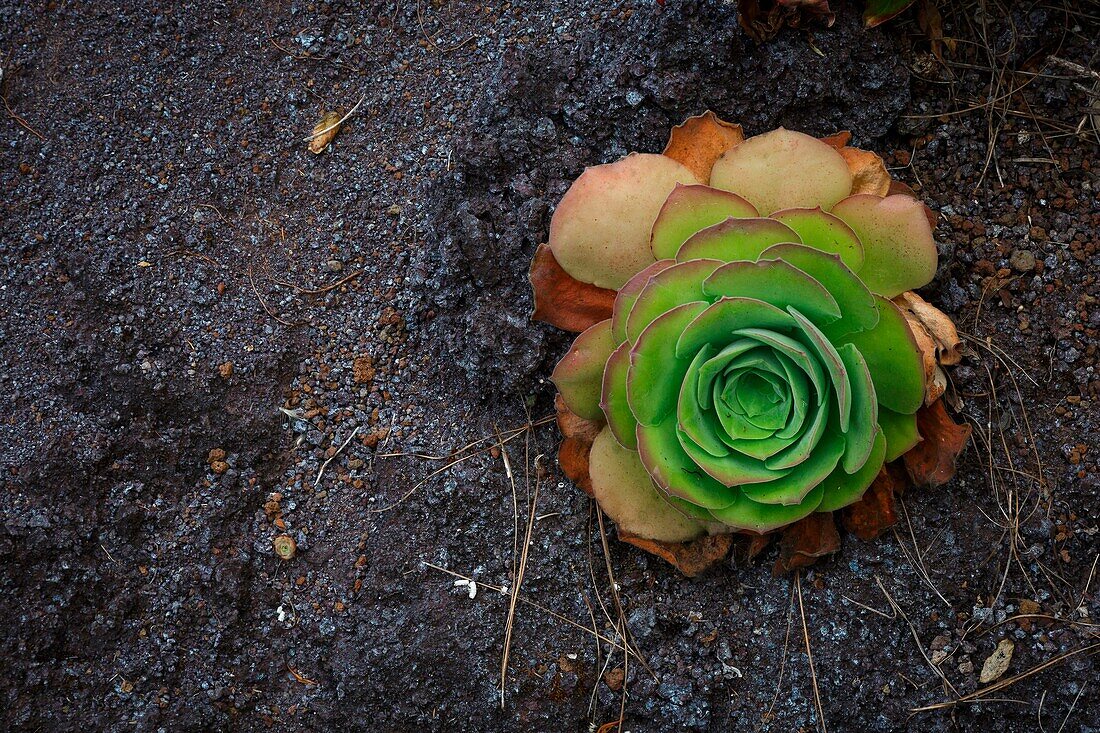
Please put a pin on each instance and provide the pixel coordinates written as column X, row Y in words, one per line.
column 932, row 461
column 869, row 173
column 576, row 445
column 937, row 324
column 690, row 558
column 876, row 511
column 324, row 131
column 803, row 542
column 838, row 140
column 563, row 301
column 700, row 141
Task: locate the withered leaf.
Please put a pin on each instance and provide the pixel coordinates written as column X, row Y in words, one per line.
column 690, row 558
column 576, row 445
column 877, row 510
column 938, row 324
column 997, row 662
column 869, row 173
column 701, row 140
column 324, row 131
column 932, row 461
column 563, row 301
column 803, row 542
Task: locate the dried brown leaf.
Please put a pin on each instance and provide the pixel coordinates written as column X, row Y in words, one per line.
column 938, row 325
column 869, row 173
column 690, row 558
column 701, row 140
column 837, row 140
column 563, row 301
column 803, row 542
column 576, row 445
column 877, row 510
column 997, row 662
column 324, row 131
column 932, row 461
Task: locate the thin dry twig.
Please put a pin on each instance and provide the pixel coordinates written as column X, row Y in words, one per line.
column 263, row 303
column 810, row 655
column 339, row 450
column 516, row 582
column 336, row 124
column 319, row 291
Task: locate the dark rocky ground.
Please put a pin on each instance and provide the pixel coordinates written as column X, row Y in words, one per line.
column 162, row 223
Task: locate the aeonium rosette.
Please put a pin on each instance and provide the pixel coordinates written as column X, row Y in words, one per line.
column 741, row 357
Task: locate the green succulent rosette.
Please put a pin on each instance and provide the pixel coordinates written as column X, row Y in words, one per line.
column 753, row 368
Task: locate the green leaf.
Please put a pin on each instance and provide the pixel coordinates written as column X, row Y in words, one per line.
column 892, row 359
column 579, row 374
column 732, row 469
column 689, row 209
column 774, row 282
column 863, row 428
column 624, row 299
column 792, row 488
column 735, row 239
column 828, row 356
column 673, row 470
column 880, row 11
column 714, row 325
column 613, row 400
column 653, row 382
column 822, row 231
column 746, row 514
column 693, row 420
column 679, row 284
column 857, row 305
column 900, row 431
column 625, row 492
column 843, row 488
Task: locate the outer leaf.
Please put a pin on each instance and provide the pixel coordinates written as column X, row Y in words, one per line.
column 932, row 461
column 577, row 436
column 563, row 301
column 689, row 209
column 753, row 516
column 653, row 382
column 892, row 359
column 880, row 11
column 690, row 558
column 774, row 282
column 579, row 374
column 628, row 293
column 821, row 230
column 783, row 169
column 613, row 400
column 600, row 230
column 735, row 239
column 869, row 174
column 625, row 492
column 843, row 488
column 898, row 251
column 699, row 141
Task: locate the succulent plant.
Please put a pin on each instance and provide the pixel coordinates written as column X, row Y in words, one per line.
column 741, row 357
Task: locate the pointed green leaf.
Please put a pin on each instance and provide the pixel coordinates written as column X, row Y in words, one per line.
column 693, row 420
column 824, row 232
column 842, row 488
column 828, row 356
column 579, row 374
column 735, row 239
column 774, row 282
column 689, row 209
column 732, row 469
column 863, row 427
column 679, row 284
column 613, row 399
column 892, row 359
column 653, row 382
column 900, row 431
